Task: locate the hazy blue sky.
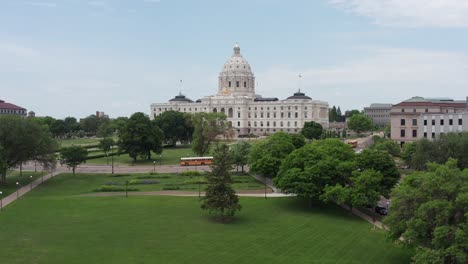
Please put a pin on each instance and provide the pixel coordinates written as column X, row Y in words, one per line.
column 73, row 57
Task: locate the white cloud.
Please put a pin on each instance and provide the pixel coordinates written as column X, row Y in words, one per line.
column 410, row 13
column 386, row 75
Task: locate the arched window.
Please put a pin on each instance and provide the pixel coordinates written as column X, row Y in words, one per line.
column 268, row 123
column 274, row 123
column 281, row 123
column 255, row 124
column 230, row 113
column 215, row 110
column 237, row 84
column 223, row 111
column 229, row 83
column 245, row 84
column 238, row 124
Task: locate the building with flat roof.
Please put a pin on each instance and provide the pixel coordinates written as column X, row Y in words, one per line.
column 248, row 112
column 11, row 109
column 379, row 113
column 419, row 117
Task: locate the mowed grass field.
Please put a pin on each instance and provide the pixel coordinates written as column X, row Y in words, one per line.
column 169, row 156
column 53, row 224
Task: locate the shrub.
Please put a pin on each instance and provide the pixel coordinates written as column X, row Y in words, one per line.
column 113, row 188
column 120, row 175
column 153, row 177
column 171, row 187
column 190, row 173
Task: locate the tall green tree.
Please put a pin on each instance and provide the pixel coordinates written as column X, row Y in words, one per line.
column 308, row 170
column 106, row 144
column 332, row 114
column 312, row 130
column 220, row 199
column 361, row 189
column 429, row 210
column 360, row 123
column 71, row 126
column 266, row 156
column 240, row 153
column 92, row 123
column 298, row 140
column 73, row 156
column 382, row 162
column 139, row 136
column 177, row 127
column 207, row 126
column 24, row 139
column 387, row 145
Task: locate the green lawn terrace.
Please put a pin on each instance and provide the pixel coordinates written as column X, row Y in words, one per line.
column 55, row 223
column 14, row 176
column 169, row 156
column 152, row 182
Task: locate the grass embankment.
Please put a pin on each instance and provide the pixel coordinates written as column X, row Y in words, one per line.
column 13, row 177
column 53, row 225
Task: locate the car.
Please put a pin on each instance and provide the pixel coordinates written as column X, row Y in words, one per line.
column 380, row 210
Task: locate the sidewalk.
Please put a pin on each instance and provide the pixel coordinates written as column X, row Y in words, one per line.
column 25, row 189
column 366, row 217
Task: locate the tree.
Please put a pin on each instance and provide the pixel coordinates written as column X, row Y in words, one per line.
column 57, row 128
column 23, row 139
column 73, row 156
column 308, row 170
column 71, row 126
column 207, row 126
column 360, row 123
column 387, row 145
column 176, row 126
column 429, row 211
column 312, row 130
column 106, row 129
column 92, row 123
column 139, row 136
column 362, row 189
column 332, row 114
column 240, row 154
column 298, row 140
column 220, row 198
column 106, row 144
column 266, row 156
column 382, row 162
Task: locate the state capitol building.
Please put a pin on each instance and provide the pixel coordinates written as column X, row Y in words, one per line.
column 248, row 112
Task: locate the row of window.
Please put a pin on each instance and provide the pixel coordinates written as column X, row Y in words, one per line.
column 296, row 115
column 10, row 111
column 274, row 108
column 403, row 133
column 442, row 122
column 425, row 110
column 238, row 84
column 249, row 124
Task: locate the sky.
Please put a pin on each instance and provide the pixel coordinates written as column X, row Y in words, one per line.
column 74, row 57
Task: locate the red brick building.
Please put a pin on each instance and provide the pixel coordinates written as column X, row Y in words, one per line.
column 11, row 109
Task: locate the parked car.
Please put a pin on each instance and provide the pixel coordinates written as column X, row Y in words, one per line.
column 380, row 210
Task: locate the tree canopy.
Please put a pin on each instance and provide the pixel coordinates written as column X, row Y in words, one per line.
column 73, row 156
column 220, row 198
column 308, row 170
column 386, row 145
column 430, row 210
column 266, row 156
column 139, row 136
column 176, row 126
column 360, row 123
column 440, row 150
column 240, row 153
column 207, row 126
column 23, row 139
column 312, row 130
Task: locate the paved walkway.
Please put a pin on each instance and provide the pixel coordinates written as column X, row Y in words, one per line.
column 243, row 193
column 366, row 217
column 25, row 189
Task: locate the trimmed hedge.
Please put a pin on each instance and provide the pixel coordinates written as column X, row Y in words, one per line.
column 113, row 188
column 190, row 173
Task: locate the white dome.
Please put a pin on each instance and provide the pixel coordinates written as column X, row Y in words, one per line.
column 236, row 65
column 236, row 77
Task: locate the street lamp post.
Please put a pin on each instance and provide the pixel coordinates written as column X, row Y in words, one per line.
column 265, row 188
column 107, row 158
column 1, row 201
column 31, row 178
column 17, row 190
column 388, row 203
column 154, row 166
column 160, row 159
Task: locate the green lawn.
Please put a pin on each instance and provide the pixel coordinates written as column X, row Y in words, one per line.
column 86, row 183
column 78, row 141
column 170, row 156
column 54, row 225
column 13, row 177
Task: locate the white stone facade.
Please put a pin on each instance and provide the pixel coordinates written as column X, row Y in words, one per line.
column 250, row 113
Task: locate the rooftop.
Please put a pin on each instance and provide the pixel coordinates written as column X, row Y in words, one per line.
column 9, row 106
